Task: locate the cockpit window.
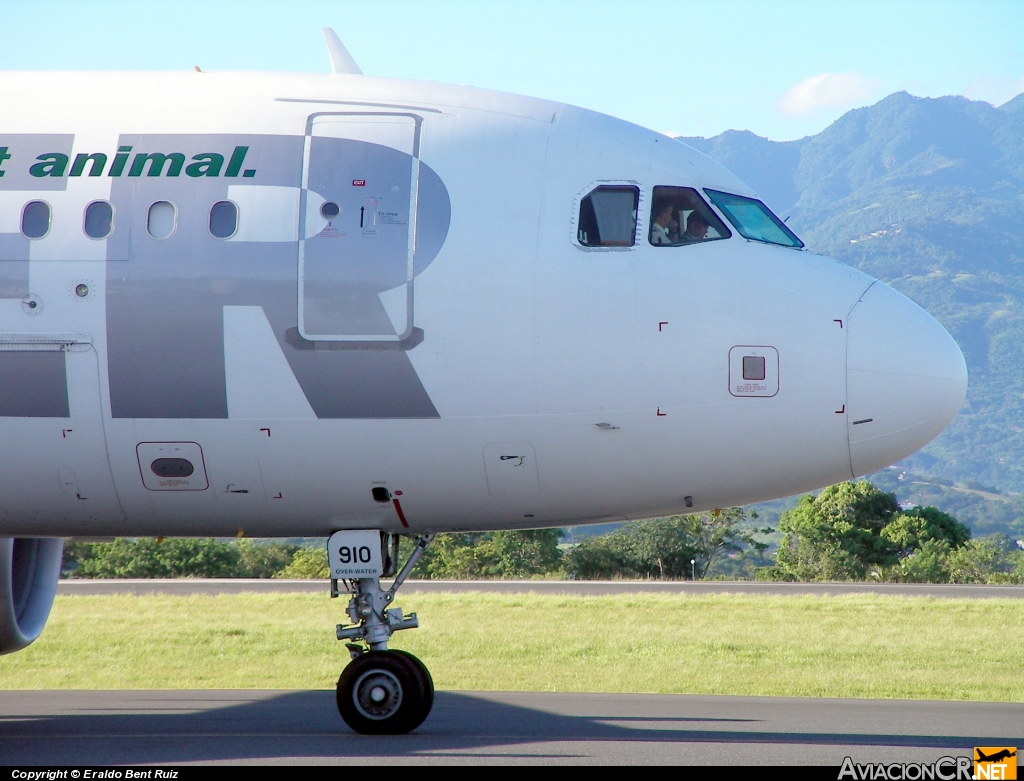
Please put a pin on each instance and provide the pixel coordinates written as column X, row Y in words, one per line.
column 753, row 219
column 680, row 216
column 608, row 217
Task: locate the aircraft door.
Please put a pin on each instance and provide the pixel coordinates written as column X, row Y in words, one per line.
column 358, row 221
column 55, row 469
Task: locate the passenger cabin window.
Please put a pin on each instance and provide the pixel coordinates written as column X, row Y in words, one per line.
column 160, row 220
column 753, row 219
column 35, row 219
column 223, row 220
column 680, row 216
column 608, row 217
column 99, row 219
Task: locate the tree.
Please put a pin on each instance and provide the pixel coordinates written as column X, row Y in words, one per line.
column 927, row 564
column 718, row 534
column 502, row 554
column 836, row 535
column 660, row 548
column 150, row 558
column 306, row 564
column 664, row 547
column 995, row 559
column 851, row 530
column 176, row 557
column 523, row 554
column 909, row 530
column 263, row 560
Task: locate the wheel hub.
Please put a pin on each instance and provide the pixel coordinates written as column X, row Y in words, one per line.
column 377, row 694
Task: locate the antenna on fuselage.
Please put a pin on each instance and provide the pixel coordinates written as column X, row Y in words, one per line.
column 341, row 60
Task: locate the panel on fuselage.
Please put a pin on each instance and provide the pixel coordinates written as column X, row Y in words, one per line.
column 56, row 467
column 359, row 192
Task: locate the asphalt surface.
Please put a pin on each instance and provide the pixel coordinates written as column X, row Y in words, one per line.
column 267, row 727
column 588, row 587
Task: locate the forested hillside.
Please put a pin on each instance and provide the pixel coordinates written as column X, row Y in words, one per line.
column 927, row 195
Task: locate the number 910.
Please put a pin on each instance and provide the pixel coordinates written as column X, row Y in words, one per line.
column 354, row 555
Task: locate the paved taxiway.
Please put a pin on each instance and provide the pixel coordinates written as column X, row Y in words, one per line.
column 174, row 727
column 581, row 587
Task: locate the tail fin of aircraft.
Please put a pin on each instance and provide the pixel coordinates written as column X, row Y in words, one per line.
column 341, row 60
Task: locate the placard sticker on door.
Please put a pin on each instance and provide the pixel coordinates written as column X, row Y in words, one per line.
column 753, row 371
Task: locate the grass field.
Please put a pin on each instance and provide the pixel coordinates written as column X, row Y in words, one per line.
column 820, row 646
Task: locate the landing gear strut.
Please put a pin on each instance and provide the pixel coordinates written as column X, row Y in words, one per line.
column 382, row 692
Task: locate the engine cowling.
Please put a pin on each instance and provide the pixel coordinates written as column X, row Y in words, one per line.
column 29, row 570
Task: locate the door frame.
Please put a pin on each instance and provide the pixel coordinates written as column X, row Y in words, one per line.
column 413, row 203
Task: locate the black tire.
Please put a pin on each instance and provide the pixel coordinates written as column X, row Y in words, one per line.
column 426, row 679
column 382, row 693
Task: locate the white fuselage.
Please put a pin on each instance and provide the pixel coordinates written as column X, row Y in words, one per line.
column 514, row 378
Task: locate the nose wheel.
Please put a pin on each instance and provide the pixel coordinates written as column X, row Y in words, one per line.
column 426, row 680
column 381, row 692
column 385, row 693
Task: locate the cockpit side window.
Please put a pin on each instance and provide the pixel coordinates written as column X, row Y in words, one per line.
column 680, row 216
column 608, row 217
column 754, row 220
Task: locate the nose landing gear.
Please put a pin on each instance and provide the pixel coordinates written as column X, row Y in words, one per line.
column 381, row 691
column 385, row 693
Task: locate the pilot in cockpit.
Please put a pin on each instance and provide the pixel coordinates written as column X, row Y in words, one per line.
column 696, row 227
column 664, row 227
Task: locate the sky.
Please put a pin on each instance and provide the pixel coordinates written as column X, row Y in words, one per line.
column 779, row 69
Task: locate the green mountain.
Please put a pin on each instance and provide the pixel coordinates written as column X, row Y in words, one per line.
column 927, row 195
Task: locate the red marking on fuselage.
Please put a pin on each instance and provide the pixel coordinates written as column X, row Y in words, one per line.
column 663, row 322
column 401, row 515
column 661, row 414
column 267, row 430
column 841, row 411
column 359, row 183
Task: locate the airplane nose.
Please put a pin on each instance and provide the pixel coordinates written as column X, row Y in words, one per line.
column 906, row 379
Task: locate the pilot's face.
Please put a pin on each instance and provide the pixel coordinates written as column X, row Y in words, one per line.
column 696, row 229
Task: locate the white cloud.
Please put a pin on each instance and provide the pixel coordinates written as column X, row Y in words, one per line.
column 825, row 91
column 994, row 89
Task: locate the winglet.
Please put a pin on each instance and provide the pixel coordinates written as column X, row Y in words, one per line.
column 341, row 60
